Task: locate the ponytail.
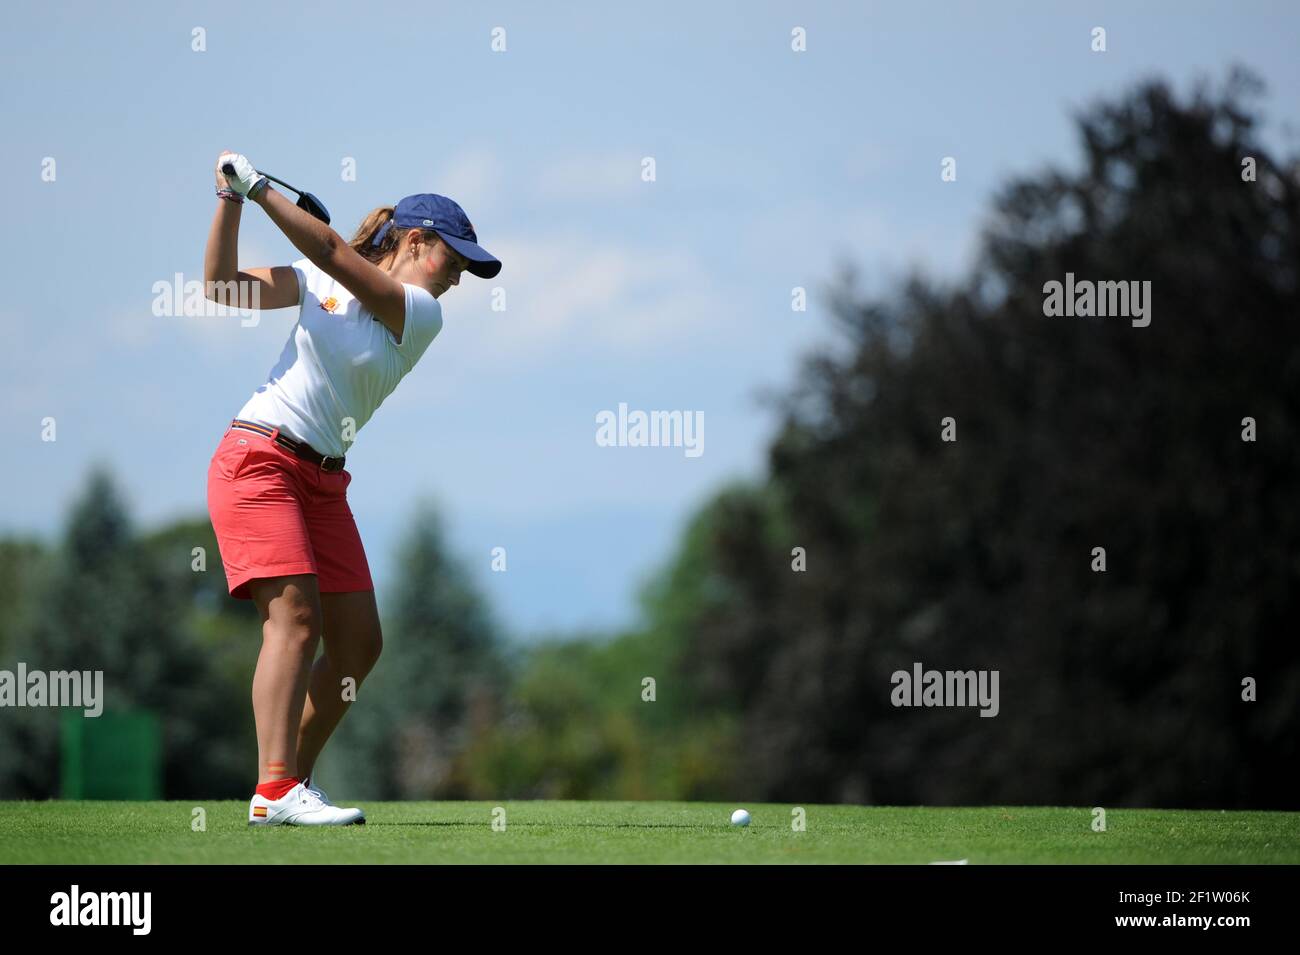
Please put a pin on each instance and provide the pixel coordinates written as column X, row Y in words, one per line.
column 363, row 241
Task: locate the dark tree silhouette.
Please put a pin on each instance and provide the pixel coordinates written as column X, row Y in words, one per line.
column 1117, row 688
column 107, row 601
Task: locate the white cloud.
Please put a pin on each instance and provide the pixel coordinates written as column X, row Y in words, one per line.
column 478, row 179
column 473, row 178
column 859, row 161
column 816, row 236
column 567, row 292
column 590, row 176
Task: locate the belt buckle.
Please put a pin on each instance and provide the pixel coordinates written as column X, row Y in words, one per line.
column 326, row 458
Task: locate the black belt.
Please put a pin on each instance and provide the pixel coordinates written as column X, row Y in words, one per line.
column 299, row 448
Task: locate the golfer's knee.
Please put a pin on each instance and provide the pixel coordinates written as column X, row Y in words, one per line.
column 354, row 654
column 297, row 627
column 367, row 651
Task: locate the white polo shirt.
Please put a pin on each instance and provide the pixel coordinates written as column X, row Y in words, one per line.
column 340, row 362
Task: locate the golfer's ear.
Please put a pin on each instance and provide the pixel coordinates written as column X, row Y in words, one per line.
column 377, row 291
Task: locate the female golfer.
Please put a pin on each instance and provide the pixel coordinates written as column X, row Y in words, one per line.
column 277, row 490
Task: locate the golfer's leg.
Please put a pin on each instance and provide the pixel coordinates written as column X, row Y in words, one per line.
column 291, row 625
column 353, row 642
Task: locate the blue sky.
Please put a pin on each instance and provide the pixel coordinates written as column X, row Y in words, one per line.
column 772, row 168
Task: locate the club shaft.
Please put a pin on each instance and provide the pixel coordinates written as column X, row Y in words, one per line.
column 229, row 170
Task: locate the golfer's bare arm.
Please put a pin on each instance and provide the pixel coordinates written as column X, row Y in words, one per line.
column 276, row 287
column 378, row 292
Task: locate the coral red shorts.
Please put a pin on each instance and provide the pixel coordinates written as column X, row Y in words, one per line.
column 276, row 514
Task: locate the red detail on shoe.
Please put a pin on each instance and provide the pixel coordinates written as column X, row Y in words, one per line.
column 277, row 788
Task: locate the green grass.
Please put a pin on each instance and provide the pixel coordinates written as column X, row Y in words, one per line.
column 642, row 832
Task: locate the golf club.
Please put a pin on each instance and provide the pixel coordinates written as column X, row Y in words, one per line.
column 306, row 201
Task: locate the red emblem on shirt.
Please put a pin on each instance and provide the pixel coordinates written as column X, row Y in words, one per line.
column 330, row 304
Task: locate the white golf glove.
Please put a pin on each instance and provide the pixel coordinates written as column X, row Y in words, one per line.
column 245, row 177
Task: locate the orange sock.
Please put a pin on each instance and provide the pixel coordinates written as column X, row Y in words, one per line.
column 277, row 788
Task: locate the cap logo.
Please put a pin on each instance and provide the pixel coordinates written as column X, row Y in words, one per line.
column 428, row 222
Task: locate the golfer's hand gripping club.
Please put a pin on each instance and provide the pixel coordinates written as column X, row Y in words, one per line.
column 238, row 177
column 241, row 175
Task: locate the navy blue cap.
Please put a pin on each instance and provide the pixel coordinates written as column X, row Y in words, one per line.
column 443, row 216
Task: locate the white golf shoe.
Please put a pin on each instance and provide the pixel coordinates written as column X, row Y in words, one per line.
column 320, row 793
column 300, row 806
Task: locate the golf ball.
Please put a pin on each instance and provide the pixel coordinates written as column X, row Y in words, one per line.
column 740, row 817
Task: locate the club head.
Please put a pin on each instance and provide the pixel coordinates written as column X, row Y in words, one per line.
column 311, row 204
